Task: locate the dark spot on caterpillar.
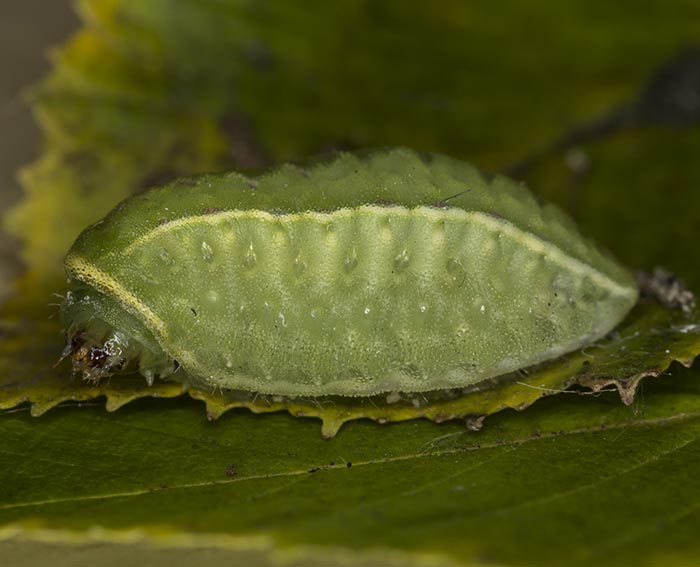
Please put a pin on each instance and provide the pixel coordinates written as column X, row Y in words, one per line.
column 231, row 471
column 384, row 203
column 314, row 470
column 194, row 312
column 440, row 205
column 211, row 210
column 162, row 222
column 349, row 464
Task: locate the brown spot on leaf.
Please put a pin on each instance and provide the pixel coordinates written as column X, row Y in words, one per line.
column 474, row 422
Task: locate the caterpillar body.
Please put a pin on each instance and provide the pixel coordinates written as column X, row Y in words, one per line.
column 389, row 271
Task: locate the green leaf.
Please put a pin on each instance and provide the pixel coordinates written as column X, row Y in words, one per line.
column 152, row 89
column 567, row 482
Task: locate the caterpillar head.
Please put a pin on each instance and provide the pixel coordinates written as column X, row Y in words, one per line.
column 99, row 348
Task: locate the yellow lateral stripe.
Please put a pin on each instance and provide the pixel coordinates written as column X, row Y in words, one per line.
column 487, row 221
column 84, row 271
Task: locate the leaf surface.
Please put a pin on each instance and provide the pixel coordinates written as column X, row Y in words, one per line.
column 146, row 91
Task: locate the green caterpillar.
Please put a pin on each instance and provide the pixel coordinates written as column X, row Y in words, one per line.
column 382, row 272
